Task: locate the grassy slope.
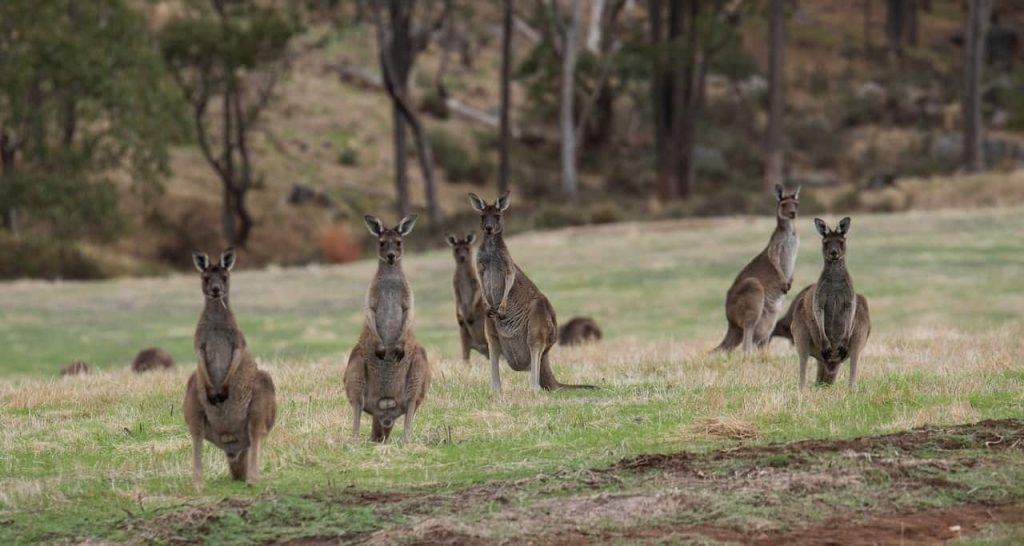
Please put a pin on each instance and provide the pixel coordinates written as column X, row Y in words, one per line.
column 77, row 454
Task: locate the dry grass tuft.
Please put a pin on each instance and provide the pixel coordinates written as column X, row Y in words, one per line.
column 723, row 426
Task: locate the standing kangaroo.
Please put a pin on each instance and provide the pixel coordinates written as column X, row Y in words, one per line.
column 755, row 299
column 831, row 321
column 228, row 400
column 521, row 324
column 387, row 374
column 470, row 311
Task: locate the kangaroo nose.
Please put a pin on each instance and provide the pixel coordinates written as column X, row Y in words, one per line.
column 834, row 254
column 387, row 422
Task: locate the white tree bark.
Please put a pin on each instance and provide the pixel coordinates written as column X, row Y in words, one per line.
column 594, row 33
column 978, row 13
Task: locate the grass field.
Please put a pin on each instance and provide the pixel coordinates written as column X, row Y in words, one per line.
column 106, row 457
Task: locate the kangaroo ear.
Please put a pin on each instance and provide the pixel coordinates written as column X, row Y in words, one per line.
column 844, row 226
column 478, row 204
column 504, row 201
column 374, row 224
column 200, row 260
column 796, row 193
column 778, row 191
column 405, row 226
column 821, row 227
column 450, row 239
column 471, row 238
column 227, row 259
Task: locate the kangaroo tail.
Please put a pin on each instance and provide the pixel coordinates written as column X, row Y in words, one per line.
column 548, row 381
column 733, row 337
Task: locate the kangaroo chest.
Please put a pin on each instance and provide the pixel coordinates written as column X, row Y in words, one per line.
column 467, row 289
column 217, row 343
column 788, row 247
column 391, row 295
column 493, row 267
column 836, row 299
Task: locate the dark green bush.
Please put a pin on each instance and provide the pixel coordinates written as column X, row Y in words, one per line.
column 44, row 259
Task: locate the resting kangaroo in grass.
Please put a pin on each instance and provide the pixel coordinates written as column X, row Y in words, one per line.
column 521, row 324
column 228, row 400
column 831, row 321
column 755, row 299
column 387, row 374
column 470, row 311
column 579, row 330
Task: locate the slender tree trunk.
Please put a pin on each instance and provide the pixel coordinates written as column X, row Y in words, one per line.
column 504, row 138
column 569, row 182
column 8, row 151
column 660, row 105
column 773, row 172
column 594, row 31
column 401, row 173
column 894, row 23
column 868, row 23
column 978, row 13
column 910, row 16
column 228, row 216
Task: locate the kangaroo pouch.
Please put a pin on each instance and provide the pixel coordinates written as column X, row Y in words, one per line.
column 515, row 346
column 228, row 427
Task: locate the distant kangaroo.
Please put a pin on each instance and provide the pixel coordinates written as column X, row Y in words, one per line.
column 470, row 311
column 228, row 400
column 387, row 374
column 153, row 358
column 78, row 367
column 579, row 330
column 521, row 324
column 755, row 299
column 831, row 321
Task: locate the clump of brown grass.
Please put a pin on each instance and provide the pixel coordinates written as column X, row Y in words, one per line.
column 724, row 426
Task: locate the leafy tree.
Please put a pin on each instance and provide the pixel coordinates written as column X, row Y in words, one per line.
column 83, row 94
column 227, row 57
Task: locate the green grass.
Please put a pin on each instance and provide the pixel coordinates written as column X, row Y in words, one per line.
column 106, row 457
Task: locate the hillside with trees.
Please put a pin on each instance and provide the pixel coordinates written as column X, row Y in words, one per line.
column 132, row 132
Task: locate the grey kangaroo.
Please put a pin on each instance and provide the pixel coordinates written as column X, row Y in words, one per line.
column 579, row 330
column 470, row 311
column 388, row 373
column 831, row 321
column 755, row 299
column 521, row 323
column 228, row 400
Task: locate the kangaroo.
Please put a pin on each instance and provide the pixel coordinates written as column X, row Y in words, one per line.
column 755, row 299
column 831, row 321
column 228, row 400
column 470, row 311
column 579, row 330
column 521, row 323
column 153, row 358
column 78, row 367
column 782, row 327
column 388, row 374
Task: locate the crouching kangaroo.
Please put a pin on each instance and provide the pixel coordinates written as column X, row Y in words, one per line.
column 521, row 324
column 470, row 311
column 579, row 330
column 387, row 374
column 831, row 321
column 755, row 299
column 228, row 400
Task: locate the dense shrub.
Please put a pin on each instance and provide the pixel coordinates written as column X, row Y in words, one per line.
column 44, row 259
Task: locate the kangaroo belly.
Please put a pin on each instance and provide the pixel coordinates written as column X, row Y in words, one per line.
column 228, row 426
column 837, row 319
column 513, row 340
column 389, row 317
column 218, row 351
column 770, row 315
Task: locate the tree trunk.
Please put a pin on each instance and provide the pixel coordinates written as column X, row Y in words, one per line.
column 594, row 32
column 660, row 106
column 867, row 28
column 504, row 138
column 894, row 23
column 978, row 13
column 910, row 16
column 8, row 150
column 773, row 172
column 569, row 182
column 401, row 175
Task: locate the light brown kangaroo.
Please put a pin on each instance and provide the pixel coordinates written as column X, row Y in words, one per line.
column 755, row 299
column 470, row 311
column 521, row 323
column 228, row 400
column 831, row 321
column 579, row 330
column 388, row 373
